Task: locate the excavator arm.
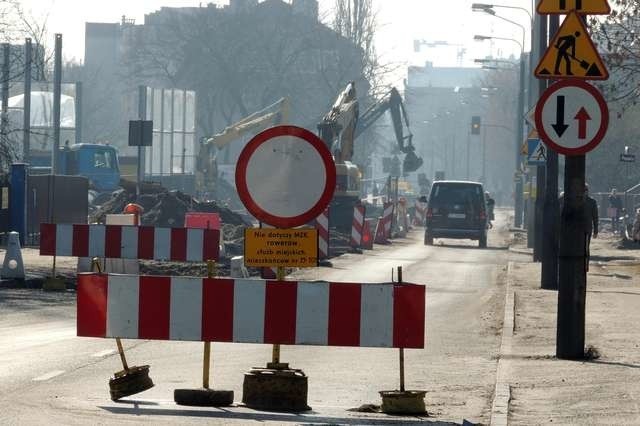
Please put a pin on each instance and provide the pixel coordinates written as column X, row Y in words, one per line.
column 277, row 112
column 392, row 101
column 338, row 126
column 207, row 170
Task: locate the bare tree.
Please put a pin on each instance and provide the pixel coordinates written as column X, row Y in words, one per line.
column 619, row 35
column 236, row 71
column 356, row 20
column 15, row 25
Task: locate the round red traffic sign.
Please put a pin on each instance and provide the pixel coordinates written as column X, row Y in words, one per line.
column 572, row 117
column 285, row 176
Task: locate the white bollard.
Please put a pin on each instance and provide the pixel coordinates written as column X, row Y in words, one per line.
column 13, row 267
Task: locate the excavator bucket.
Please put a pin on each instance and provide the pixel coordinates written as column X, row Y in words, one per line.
column 411, row 162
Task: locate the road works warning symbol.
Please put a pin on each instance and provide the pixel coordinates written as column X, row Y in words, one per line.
column 572, row 54
column 562, row 7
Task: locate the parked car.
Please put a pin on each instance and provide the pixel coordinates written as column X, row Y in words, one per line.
column 456, row 209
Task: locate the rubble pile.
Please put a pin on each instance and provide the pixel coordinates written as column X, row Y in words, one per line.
column 164, row 208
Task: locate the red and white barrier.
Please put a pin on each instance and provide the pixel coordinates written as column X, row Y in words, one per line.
column 129, row 242
column 321, row 223
column 367, row 235
column 387, row 216
column 381, row 235
column 357, row 226
column 251, row 311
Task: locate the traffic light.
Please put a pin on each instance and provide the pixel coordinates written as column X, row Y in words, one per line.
column 475, row 125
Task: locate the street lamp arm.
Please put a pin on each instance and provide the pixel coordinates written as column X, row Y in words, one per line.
column 515, row 7
column 519, row 25
column 501, row 38
column 483, row 7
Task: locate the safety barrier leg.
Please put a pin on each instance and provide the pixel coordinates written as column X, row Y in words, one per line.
column 277, row 387
column 54, row 283
column 130, row 380
column 205, row 397
column 275, row 352
column 402, row 401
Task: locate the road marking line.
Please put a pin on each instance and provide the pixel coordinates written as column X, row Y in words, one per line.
column 104, row 353
column 48, row 376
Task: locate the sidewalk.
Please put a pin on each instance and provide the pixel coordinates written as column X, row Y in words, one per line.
column 545, row 390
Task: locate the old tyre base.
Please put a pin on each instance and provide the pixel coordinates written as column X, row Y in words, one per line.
column 129, row 382
column 403, row 402
column 203, row 397
column 275, row 390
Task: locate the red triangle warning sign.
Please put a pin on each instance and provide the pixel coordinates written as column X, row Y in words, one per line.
column 572, row 54
column 562, row 7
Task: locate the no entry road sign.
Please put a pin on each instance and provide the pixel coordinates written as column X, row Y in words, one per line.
column 572, row 117
column 285, row 176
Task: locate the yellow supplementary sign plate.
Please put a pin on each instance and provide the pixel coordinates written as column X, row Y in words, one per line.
column 572, row 54
column 561, row 7
column 267, row 247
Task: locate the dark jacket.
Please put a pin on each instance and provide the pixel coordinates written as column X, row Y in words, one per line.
column 615, row 201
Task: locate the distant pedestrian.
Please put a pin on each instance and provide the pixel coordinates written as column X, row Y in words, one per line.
column 591, row 213
column 615, row 209
column 491, row 203
column 635, row 231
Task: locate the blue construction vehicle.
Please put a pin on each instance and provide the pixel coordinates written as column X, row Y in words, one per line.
column 96, row 162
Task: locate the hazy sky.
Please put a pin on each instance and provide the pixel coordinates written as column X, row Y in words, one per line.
column 400, row 22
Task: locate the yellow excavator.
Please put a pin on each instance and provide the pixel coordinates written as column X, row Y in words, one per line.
column 207, row 169
column 341, row 126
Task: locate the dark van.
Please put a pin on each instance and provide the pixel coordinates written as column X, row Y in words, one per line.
column 456, row 209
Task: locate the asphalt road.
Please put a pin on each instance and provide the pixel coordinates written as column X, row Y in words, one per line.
column 49, row 375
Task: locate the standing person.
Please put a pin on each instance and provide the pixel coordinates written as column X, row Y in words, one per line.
column 591, row 216
column 615, row 208
column 490, row 206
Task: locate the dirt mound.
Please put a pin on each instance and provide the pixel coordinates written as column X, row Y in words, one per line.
column 165, row 208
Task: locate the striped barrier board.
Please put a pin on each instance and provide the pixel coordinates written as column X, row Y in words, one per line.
column 321, row 223
column 387, row 218
column 383, row 228
column 251, row 311
column 357, row 225
column 129, row 242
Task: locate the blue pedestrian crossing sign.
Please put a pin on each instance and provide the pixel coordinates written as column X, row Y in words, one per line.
column 536, row 152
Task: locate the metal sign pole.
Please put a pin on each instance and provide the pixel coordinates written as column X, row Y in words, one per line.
column 401, row 349
column 57, row 86
column 26, row 148
column 142, row 113
column 549, row 274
